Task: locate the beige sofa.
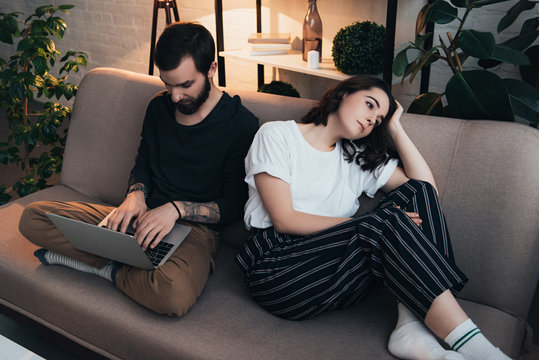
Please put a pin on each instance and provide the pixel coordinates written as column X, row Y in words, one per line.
column 488, row 177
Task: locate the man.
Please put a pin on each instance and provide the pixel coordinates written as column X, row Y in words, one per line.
column 189, row 167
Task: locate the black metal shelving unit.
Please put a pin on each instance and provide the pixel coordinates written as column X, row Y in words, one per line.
column 391, row 22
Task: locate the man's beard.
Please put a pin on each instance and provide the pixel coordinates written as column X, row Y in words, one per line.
column 189, row 106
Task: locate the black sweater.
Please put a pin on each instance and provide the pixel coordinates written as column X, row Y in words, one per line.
column 198, row 163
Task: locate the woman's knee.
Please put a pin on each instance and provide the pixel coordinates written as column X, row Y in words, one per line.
column 422, row 185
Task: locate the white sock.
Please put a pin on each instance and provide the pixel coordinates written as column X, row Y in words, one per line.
column 53, row 258
column 412, row 340
column 468, row 340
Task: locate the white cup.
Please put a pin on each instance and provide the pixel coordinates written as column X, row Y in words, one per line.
column 312, row 59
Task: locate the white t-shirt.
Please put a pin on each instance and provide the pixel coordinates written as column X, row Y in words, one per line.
column 321, row 183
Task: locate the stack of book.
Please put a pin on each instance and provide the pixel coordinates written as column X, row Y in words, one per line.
column 268, row 43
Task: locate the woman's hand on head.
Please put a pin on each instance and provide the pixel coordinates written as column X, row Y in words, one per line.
column 394, row 124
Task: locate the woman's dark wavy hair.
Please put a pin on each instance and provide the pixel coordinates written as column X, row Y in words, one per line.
column 182, row 39
column 377, row 147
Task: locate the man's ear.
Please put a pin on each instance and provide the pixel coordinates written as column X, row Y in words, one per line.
column 213, row 69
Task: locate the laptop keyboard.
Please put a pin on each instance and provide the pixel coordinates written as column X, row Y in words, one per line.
column 158, row 253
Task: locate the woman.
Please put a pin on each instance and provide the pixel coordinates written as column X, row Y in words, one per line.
column 307, row 255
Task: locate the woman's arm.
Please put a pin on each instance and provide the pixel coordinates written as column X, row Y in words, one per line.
column 415, row 166
column 277, row 199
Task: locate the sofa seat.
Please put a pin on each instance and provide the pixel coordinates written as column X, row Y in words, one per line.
column 224, row 324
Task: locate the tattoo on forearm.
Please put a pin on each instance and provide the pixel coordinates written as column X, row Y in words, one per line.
column 201, row 212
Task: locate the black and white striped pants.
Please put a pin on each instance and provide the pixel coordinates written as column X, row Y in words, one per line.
column 300, row 277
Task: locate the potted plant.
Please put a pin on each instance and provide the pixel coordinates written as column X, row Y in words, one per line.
column 26, row 75
column 359, row 48
column 473, row 94
column 279, row 88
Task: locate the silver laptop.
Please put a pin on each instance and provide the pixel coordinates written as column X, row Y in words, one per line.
column 114, row 245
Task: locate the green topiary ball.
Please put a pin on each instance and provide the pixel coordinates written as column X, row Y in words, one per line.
column 279, row 88
column 359, row 48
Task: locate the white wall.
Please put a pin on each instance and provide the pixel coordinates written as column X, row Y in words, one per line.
column 484, row 19
column 116, row 33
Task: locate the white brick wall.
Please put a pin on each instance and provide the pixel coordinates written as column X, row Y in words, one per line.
column 116, row 33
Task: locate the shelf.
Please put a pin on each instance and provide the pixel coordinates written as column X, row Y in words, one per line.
column 391, row 21
column 291, row 61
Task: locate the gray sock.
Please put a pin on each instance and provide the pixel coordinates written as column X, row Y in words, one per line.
column 52, row 258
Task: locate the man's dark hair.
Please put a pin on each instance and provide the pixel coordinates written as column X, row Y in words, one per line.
column 182, row 39
column 377, row 145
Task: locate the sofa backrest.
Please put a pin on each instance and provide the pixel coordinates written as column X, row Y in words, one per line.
column 104, row 132
column 487, row 175
column 487, row 172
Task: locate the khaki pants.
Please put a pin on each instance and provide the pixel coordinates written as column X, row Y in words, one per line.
column 170, row 289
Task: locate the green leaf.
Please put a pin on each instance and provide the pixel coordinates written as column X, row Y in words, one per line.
column 400, row 62
column 39, row 82
column 524, row 99
column 420, row 40
column 40, row 65
column 488, row 63
column 48, row 46
column 45, row 10
column 10, row 155
column 36, row 29
column 529, row 25
column 9, row 23
column 478, row 94
column 477, row 44
column 409, row 69
column 65, row 7
column 460, row 3
column 513, row 13
column 425, row 59
column 49, row 131
column 69, row 91
column 511, row 56
column 25, row 44
column 67, row 55
column 82, row 60
column 530, row 74
column 4, row 198
column 57, row 26
column 427, row 104
column 8, row 28
column 18, row 90
column 479, row 3
column 521, row 41
column 442, row 12
column 26, row 185
column 4, row 157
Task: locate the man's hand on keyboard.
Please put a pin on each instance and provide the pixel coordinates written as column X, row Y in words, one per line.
column 154, row 225
column 134, row 205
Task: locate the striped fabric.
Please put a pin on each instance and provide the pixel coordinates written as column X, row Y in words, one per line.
column 300, row 277
column 465, row 338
